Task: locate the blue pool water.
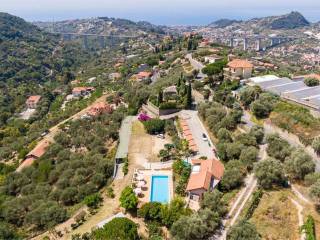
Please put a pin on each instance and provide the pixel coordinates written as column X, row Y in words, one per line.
column 160, row 189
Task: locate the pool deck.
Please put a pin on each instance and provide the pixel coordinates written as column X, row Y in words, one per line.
column 146, row 191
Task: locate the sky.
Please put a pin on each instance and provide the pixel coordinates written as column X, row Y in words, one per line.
column 169, row 12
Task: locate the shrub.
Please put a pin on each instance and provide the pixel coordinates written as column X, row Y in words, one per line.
column 309, row 228
column 299, row 164
column 256, row 197
column 311, row 82
column 168, row 105
column 269, row 172
column 125, row 167
column 243, row 230
column 151, row 211
column 118, row 228
column 93, row 200
column 128, row 199
column 316, row 145
column 110, row 192
column 154, row 126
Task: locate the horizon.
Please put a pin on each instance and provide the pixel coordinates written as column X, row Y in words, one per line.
column 180, row 12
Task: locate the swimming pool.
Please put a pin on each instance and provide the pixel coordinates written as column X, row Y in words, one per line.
column 159, row 189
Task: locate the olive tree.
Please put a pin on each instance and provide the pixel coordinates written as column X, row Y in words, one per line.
column 269, row 172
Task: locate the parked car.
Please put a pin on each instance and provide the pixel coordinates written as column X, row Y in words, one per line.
column 204, row 137
column 44, row 133
column 160, row 136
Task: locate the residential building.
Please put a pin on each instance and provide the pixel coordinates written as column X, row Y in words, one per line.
column 82, row 91
column 99, row 108
column 36, row 153
column 170, row 92
column 205, row 176
column 32, row 101
column 143, row 76
column 114, row 76
column 238, row 69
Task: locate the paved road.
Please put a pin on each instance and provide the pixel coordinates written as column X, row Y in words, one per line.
column 196, row 65
column 197, row 129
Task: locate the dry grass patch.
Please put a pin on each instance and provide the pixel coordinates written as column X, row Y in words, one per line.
column 276, row 217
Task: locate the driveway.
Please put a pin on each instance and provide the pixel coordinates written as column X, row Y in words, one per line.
column 196, row 65
column 197, row 129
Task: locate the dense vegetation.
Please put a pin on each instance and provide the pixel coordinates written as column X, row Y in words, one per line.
column 74, row 167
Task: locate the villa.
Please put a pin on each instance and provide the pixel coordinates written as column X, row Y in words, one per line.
column 32, row 101
column 82, row 91
column 205, row 176
column 36, row 153
column 170, row 92
column 143, row 76
column 238, row 69
column 99, row 108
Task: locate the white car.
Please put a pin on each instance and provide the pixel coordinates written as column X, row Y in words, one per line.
column 204, row 137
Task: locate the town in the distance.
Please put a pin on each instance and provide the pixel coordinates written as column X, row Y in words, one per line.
column 112, row 129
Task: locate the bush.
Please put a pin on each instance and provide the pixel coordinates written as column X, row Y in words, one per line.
column 93, row 200
column 110, row 192
column 256, row 197
column 118, row 228
column 125, row 167
column 269, row 172
column 311, row 178
column 151, row 211
column 309, row 228
column 154, row 126
column 278, row 148
column 316, row 145
column 233, row 175
column 299, row 164
column 128, row 199
column 244, row 230
column 311, row 82
column 168, row 105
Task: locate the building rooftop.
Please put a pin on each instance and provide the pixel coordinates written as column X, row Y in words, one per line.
column 124, row 138
column 240, row 63
column 34, row 99
column 202, row 173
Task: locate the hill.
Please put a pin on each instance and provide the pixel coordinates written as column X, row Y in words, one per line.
column 289, row 21
column 222, row 23
column 101, row 25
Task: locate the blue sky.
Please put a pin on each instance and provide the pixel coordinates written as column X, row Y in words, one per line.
column 171, row 12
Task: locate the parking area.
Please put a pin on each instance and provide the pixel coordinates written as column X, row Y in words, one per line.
column 204, row 144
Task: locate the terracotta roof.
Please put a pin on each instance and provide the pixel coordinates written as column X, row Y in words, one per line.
column 34, row 99
column 39, row 150
column 26, row 163
column 185, row 128
column 187, row 133
column 100, row 108
column 144, row 74
column 189, row 137
column 208, row 169
column 240, row 63
column 80, row 89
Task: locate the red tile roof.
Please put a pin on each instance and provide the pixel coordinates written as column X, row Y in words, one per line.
column 240, row 63
column 100, row 108
column 39, row 150
column 208, row 169
column 34, row 99
column 144, row 74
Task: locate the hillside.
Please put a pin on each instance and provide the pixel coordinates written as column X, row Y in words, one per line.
column 25, row 51
column 222, row 23
column 289, row 21
column 29, row 57
column 101, row 25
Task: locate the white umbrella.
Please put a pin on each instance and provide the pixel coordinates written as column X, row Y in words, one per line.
column 141, row 184
column 137, row 191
